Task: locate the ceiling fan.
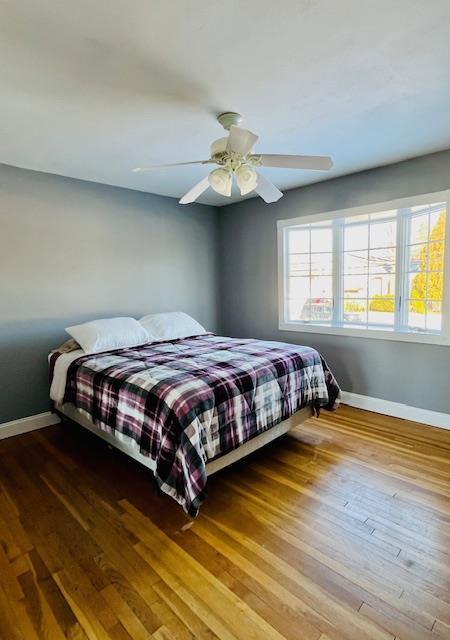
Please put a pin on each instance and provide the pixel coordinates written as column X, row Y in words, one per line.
column 234, row 155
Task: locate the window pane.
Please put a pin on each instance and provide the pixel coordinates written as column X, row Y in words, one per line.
column 437, row 224
column 367, row 268
column 320, row 309
column 426, row 286
column 381, row 299
column 297, row 310
column 417, row 286
column 435, row 285
column 418, row 231
column 355, row 311
column 383, row 234
column 416, row 314
column 321, row 287
column 436, row 256
column 299, row 241
column 321, row 263
column 299, row 264
column 356, row 237
column 310, row 309
column 356, row 262
column 381, row 285
column 382, row 310
column 299, row 287
column 422, row 286
column 434, row 315
column 321, row 240
column 382, row 260
column 355, row 286
column 418, row 257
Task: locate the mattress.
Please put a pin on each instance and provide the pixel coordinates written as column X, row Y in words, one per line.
column 187, row 402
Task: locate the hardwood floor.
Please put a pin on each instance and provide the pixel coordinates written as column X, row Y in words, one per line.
column 339, row 530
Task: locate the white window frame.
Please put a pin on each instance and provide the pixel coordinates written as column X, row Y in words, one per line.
column 443, row 338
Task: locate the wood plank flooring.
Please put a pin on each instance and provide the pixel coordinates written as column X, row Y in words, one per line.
column 337, row 531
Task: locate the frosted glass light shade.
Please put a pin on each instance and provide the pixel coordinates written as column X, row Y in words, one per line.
column 221, row 180
column 247, row 179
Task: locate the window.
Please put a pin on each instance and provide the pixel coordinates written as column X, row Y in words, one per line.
column 375, row 271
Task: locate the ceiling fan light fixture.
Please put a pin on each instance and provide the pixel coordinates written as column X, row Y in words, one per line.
column 247, row 179
column 219, row 146
column 221, row 180
column 234, row 154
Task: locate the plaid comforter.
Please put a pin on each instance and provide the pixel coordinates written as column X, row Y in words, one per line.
column 188, row 401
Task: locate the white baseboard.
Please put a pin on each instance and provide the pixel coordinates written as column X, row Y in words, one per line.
column 397, row 409
column 377, row 405
column 30, row 423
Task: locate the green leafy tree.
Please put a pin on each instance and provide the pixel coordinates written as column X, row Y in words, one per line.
column 352, row 306
column 381, row 302
column 431, row 258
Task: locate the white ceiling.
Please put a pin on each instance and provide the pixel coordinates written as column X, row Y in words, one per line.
column 92, row 89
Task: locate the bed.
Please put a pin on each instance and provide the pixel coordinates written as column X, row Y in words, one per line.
column 186, row 408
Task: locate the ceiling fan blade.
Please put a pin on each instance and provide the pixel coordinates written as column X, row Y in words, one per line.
column 312, row 163
column 195, row 192
column 241, row 140
column 173, row 164
column 267, row 190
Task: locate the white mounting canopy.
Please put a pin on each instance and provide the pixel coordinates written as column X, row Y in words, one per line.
column 229, row 118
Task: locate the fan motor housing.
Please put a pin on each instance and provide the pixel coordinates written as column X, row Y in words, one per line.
column 219, row 146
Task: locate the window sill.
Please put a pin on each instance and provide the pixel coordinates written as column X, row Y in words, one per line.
column 380, row 334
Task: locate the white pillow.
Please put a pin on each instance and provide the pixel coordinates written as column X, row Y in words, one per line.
column 108, row 334
column 171, row 326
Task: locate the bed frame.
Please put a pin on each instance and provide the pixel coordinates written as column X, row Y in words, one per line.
column 130, row 448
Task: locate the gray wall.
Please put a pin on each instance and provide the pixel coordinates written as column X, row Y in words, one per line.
column 412, row 373
column 72, row 251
